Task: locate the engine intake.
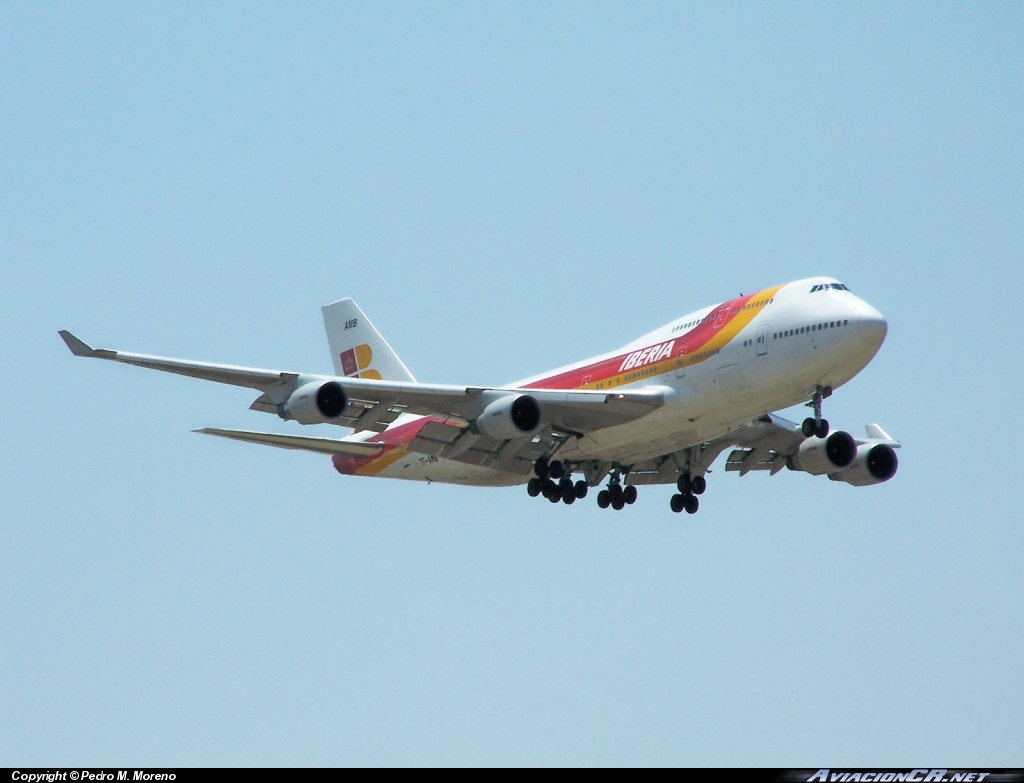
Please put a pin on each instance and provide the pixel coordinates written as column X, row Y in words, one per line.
column 511, row 416
column 874, row 463
column 315, row 403
column 825, row 455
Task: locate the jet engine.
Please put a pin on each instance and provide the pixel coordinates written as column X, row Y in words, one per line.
column 874, row 463
column 511, row 416
column 315, row 403
column 825, row 455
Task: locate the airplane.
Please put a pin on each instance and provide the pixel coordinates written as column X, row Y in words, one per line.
column 659, row 410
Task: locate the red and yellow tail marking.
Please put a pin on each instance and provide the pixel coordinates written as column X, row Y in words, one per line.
column 354, row 362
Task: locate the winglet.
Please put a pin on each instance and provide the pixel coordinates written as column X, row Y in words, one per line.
column 78, row 348
column 876, row 433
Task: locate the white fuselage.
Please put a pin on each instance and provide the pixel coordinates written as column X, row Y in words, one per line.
column 724, row 365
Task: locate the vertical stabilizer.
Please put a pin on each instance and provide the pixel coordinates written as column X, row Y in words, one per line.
column 357, row 348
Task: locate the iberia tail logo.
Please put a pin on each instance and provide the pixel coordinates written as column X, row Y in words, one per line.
column 354, row 362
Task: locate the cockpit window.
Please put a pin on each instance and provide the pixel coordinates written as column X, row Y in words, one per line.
column 827, row 286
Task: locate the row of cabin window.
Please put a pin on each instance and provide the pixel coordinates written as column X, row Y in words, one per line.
column 811, row 328
column 708, row 317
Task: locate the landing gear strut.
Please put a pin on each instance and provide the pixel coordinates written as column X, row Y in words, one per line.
column 816, row 426
column 688, row 488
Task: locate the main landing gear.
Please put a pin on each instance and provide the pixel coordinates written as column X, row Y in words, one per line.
column 616, row 496
column 555, row 483
column 817, row 426
column 688, row 488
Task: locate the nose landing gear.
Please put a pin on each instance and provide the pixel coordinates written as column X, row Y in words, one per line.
column 816, row 426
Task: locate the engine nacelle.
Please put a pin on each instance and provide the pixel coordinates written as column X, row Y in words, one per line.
column 874, row 463
column 315, row 403
column 825, row 455
column 511, row 416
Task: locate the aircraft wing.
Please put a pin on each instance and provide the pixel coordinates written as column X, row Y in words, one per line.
column 374, row 404
column 349, row 448
column 765, row 443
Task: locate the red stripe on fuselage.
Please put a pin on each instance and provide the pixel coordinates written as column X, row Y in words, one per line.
column 692, row 341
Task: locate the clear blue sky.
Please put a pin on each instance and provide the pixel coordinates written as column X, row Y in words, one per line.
column 503, row 188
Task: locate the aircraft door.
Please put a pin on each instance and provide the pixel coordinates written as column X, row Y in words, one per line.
column 762, row 339
column 681, row 362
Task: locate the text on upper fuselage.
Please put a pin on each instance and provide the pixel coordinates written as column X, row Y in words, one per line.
column 649, row 355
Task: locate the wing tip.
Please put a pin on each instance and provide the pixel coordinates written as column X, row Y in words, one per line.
column 76, row 346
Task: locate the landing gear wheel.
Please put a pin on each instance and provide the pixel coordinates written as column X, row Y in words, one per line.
column 683, row 484
column 629, row 495
column 567, row 491
column 676, row 503
column 550, row 489
column 534, row 487
column 618, row 503
column 698, row 484
column 808, row 427
column 822, row 429
column 691, row 504
column 540, row 467
column 555, row 495
column 556, row 469
column 603, row 499
column 581, row 489
column 615, row 493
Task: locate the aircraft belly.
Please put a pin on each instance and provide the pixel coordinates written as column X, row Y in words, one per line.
column 422, row 467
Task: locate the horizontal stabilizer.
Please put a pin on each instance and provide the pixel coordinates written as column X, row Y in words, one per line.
column 350, row 448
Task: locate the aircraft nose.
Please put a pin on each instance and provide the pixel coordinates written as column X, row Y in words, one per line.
column 872, row 327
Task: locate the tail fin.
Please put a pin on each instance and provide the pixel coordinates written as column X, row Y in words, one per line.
column 357, row 347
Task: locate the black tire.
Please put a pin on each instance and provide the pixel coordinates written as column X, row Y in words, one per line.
column 556, row 469
column 618, row 504
column 555, row 497
column 698, row 485
column 569, row 497
column 581, row 489
column 567, row 492
column 533, row 487
column 822, row 430
column 692, row 504
column 629, row 495
column 808, row 427
column 677, row 503
column 615, row 492
column 603, row 499
column 683, row 484
column 540, row 467
column 550, row 489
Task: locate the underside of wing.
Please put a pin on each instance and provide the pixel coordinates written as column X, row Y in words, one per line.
column 762, row 444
